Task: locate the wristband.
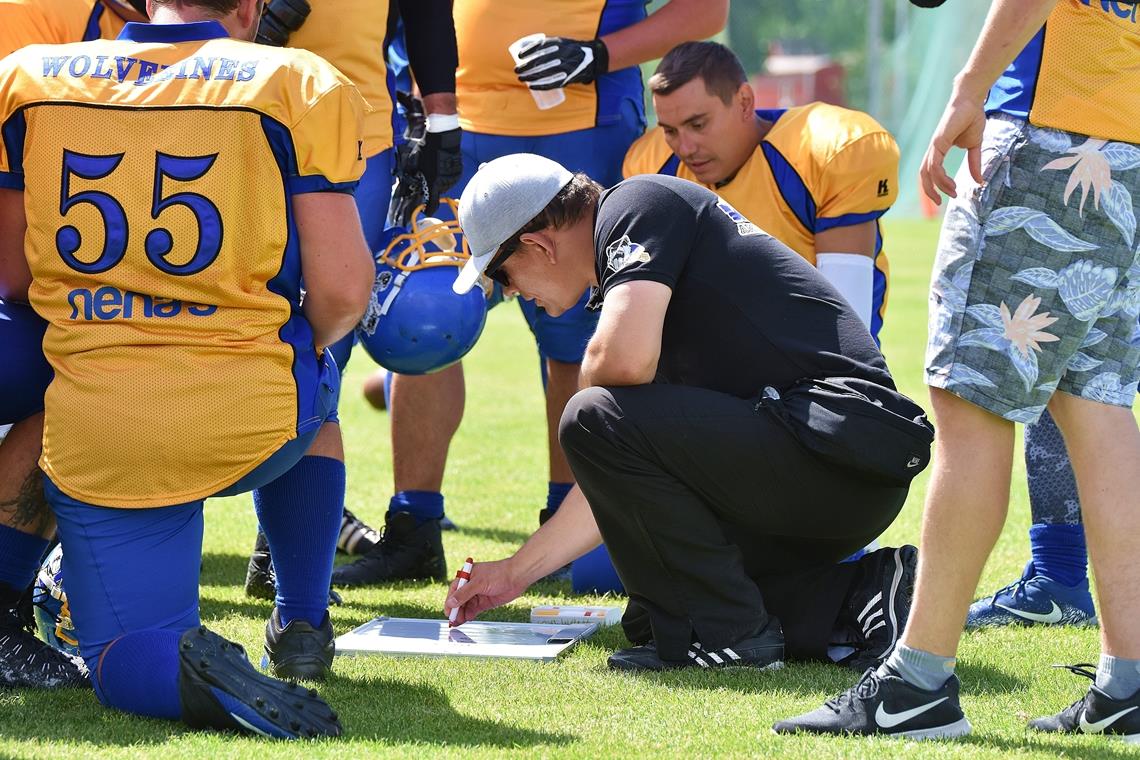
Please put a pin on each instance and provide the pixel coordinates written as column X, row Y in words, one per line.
column 442, row 122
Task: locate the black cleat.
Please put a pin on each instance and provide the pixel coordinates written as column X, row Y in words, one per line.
column 886, row 705
column 406, row 551
column 355, row 537
column 445, row 523
column 878, row 605
column 1095, row 713
column 221, row 690
column 763, row 649
column 261, row 577
column 299, row 651
column 27, row 662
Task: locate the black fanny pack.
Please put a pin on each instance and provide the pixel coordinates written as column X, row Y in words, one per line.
column 874, row 431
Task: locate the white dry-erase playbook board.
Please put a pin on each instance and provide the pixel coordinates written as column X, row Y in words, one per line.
column 475, row 638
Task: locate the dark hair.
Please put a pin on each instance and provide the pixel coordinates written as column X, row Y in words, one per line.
column 217, row 8
column 718, row 66
column 576, row 199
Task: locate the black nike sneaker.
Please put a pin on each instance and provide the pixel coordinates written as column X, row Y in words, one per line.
column 884, row 704
column 763, row 649
column 219, row 689
column 355, row 537
column 1095, row 712
column 27, row 662
column 406, row 551
column 878, row 605
column 298, row 650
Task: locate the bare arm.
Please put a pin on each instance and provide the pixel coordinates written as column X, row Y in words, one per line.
column 1010, row 25
column 569, row 534
column 626, row 346
column 676, row 22
column 857, row 239
column 336, row 265
column 15, row 277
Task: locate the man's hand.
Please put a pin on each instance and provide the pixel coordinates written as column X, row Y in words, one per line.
column 962, row 125
column 492, row 584
column 555, row 62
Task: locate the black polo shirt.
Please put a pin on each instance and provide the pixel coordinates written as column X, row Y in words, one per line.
column 746, row 311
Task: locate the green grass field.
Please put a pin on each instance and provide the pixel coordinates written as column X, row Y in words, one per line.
column 496, row 482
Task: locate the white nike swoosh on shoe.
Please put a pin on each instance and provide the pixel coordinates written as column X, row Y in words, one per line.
column 890, row 720
column 1053, row 616
column 1100, row 725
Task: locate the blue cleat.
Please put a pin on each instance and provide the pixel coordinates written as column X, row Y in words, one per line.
column 1034, row 600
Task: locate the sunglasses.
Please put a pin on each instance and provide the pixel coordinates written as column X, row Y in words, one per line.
column 494, row 269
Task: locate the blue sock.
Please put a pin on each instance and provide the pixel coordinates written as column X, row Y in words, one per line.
column 300, row 513
column 556, row 494
column 1059, row 552
column 21, row 553
column 138, row 673
column 423, row 505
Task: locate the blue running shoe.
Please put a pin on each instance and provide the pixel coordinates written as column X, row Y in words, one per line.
column 1034, row 600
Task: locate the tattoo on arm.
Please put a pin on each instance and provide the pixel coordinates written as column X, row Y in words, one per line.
column 29, row 510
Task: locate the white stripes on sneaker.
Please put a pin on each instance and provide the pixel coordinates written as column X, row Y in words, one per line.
column 870, row 614
column 719, row 657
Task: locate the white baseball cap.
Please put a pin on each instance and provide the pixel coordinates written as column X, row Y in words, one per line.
column 499, row 200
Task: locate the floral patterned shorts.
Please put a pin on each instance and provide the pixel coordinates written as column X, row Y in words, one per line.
column 1036, row 286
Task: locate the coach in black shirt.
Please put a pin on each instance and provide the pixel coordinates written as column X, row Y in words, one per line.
column 725, row 528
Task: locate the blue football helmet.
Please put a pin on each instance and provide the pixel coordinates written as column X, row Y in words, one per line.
column 415, row 323
column 53, row 617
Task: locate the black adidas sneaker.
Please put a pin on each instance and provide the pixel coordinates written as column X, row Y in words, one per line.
column 763, row 649
column 356, row 536
column 219, row 689
column 1095, row 712
column 878, row 605
column 884, row 704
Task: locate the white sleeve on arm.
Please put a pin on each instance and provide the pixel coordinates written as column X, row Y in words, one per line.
column 853, row 275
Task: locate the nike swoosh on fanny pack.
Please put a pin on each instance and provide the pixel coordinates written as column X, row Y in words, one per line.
column 890, row 720
column 1100, row 725
column 1053, row 616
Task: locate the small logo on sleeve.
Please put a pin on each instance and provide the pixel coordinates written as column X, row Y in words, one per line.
column 623, row 253
column 744, row 228
column 884, row 188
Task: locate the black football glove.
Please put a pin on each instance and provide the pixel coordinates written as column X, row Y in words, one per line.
column 556, row 62
column 279, row 19
column 441, row 163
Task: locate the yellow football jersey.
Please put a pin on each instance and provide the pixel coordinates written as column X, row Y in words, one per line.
column 819, row 167
column 352, row 35
column 491, row 98
column 54, row 22
column 1079, row 73
column 158, row 171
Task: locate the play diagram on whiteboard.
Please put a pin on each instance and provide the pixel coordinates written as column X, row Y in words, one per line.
column 475, row 638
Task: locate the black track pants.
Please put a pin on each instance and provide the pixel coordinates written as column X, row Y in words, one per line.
column 716, row 518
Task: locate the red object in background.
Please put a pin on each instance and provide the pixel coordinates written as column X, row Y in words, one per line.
column 795, row 79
